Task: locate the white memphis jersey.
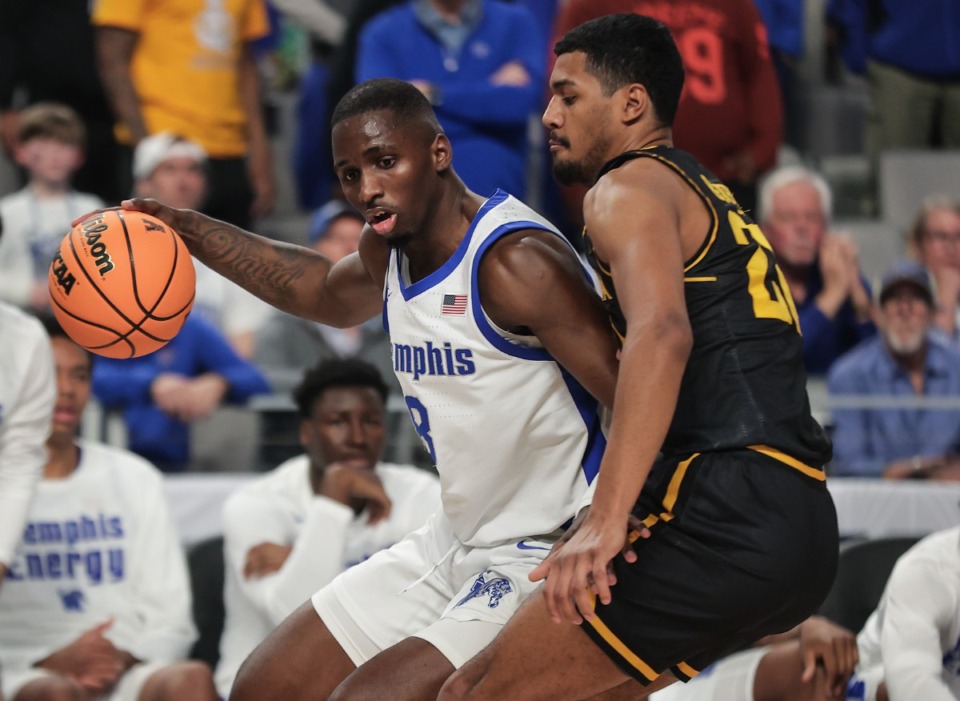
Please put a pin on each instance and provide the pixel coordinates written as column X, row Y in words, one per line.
column 516, row 440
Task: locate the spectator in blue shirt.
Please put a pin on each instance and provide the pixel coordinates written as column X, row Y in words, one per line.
column 821, row 269
column 906, row 362
column 481, row 64
column 160, row 394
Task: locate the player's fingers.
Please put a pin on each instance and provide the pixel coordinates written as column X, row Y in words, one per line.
column 828, row 659
column 540, row 572
column 611, row 574
column 585, row 601
column 809, row 665
column 601, row 581
column 549, row 594
column 561, row 580
column 571, row 586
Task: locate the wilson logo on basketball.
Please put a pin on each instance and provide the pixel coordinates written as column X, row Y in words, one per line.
column 98, row 250
column 65, row 279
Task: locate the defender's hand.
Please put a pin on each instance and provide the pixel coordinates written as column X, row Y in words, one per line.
column 578, row 571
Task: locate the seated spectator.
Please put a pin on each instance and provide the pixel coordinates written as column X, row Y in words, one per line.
column 811, row 662
column 907, row 650
column 173, row 170
column 821, row 269
column 27, row 393
column 935, row 240
column 288, row 345
column 97, row 601
column 50, row 144
column 291, row 532
column 905, row 362
column 162, row 393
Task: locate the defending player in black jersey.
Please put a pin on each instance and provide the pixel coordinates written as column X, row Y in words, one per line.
column 712, row 444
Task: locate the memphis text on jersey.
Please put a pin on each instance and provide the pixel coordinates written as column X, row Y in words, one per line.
column 89, row 548
column 432, row 360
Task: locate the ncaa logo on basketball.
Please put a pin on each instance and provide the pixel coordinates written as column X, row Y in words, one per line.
column 65, row 279
column 97, row 249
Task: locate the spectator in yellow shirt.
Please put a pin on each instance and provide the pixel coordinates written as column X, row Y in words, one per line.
column 186, row 66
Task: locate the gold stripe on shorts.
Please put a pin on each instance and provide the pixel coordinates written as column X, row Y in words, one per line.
column 789, row 461
column 687, row 669
column 613, row 641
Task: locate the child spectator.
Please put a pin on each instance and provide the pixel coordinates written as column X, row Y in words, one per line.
column 50, row 147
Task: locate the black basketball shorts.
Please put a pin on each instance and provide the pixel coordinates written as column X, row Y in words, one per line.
column 744, row 544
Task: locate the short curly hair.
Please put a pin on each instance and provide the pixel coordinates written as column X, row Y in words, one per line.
column 336, row 373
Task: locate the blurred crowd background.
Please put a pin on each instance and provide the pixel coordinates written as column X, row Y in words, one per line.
column 835, row 122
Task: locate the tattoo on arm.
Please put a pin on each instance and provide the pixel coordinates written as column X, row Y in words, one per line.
column 269, row 269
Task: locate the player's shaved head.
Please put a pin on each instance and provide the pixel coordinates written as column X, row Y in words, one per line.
column 407, row 104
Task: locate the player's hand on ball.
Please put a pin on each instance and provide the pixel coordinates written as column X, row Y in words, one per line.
column 356, row 485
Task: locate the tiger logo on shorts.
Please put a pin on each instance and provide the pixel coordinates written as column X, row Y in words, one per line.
column 496, row 588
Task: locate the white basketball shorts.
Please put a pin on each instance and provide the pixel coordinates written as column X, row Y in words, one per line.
column 429, row 586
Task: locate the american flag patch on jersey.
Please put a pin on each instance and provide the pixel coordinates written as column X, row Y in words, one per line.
column 454, row 304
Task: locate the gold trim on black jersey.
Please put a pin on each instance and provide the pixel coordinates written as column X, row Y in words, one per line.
column 714, row 215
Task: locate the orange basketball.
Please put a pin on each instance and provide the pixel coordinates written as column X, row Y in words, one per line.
column 122, row 283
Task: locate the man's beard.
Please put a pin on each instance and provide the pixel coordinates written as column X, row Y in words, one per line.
column 905, row 344
column 570, row 173
column 584, row 171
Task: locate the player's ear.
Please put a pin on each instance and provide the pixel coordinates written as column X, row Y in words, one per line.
column 636, row 102
column 442, row 152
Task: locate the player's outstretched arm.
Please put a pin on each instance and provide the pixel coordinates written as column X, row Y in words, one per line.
column 634, row 225
column 292, row 278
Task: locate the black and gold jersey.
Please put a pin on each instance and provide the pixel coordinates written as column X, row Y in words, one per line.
column 745, row 384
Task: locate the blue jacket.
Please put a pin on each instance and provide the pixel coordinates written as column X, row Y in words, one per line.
column 824, row 339
column 866, row 439
column 918, row 37
column 125, row 385
column 486, row 124
column 784, row 22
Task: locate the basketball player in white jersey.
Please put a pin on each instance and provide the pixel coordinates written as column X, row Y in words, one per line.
column 498, row 341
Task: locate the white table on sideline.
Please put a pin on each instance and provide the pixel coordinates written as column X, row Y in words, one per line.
column 874, row 508
column 865, row 508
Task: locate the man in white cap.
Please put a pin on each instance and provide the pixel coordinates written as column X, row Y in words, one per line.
column 173, row 170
